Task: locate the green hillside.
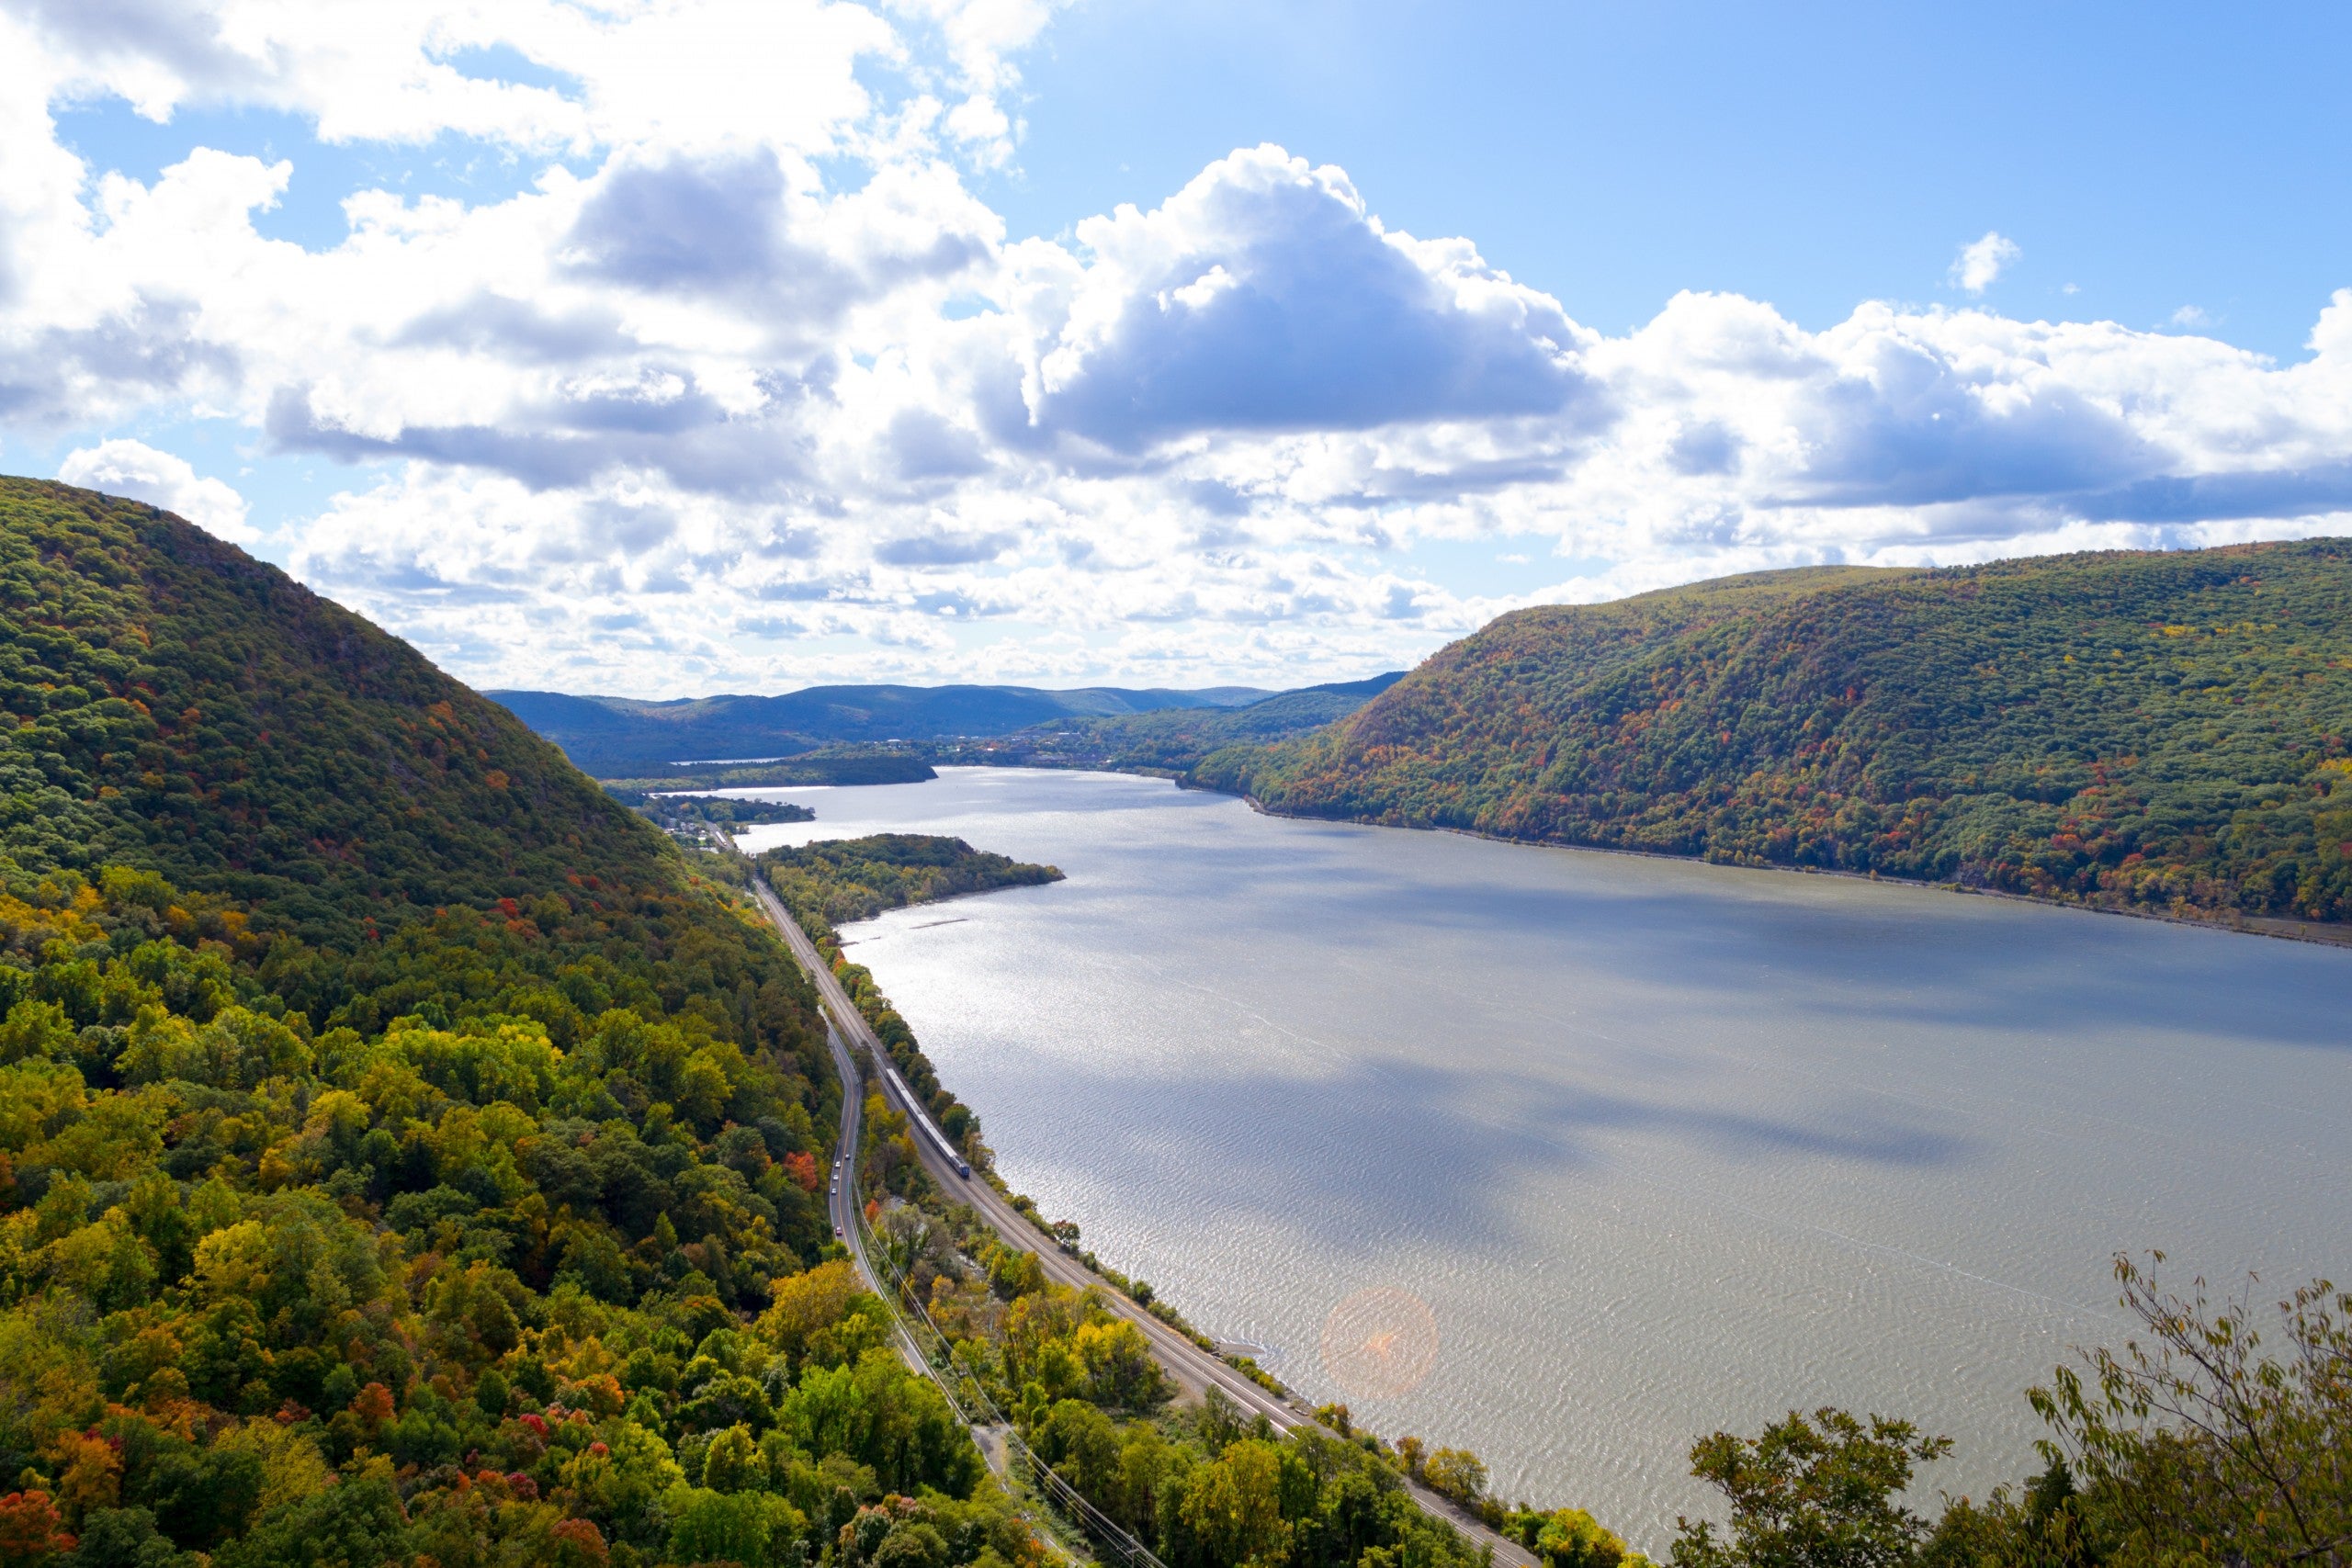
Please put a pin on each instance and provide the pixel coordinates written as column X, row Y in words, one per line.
column 2161, row 730
column 1167, row 739
column 168, row 702
column 405, row 1156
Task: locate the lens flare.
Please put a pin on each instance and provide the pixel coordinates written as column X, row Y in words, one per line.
column 1380, row 1343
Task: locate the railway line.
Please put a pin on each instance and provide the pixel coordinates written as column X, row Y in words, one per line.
column 1196, row 1371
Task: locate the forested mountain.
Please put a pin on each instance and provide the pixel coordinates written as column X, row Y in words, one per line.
column 2162, row 730
column 405, row 1156
column 612, row 737
column 1170, row 740
column 173, row 703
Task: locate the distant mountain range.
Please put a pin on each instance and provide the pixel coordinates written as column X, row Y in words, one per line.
column 1170, row 740
column 2164, row 730
column 615, row 737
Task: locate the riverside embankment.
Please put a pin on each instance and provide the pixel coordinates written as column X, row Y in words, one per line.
column 1194, row 1369
column 1665, row 1148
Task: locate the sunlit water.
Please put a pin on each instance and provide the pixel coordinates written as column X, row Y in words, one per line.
column 1665, row 1146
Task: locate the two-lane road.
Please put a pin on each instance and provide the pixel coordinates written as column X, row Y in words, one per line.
column 1193, row 1367
column 840, row 1197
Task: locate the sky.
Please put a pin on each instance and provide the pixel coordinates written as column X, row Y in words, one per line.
column 662, row 347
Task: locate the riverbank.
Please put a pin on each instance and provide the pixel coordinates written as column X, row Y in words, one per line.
column 2318, row 932
column 1197, row 1367
column 1802, row 1135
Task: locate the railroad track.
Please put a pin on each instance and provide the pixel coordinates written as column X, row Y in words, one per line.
column 1194, row 1369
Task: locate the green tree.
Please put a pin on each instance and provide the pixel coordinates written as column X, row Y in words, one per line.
column 1811, row 1493
column 2047, row 1528
column 1079, row 1441
column 733, row 1461
column 1457, row 1474
column 359, row 1524
column 1233, row 1506
column 756, row 1529
column 1570, row 1537
column 2194, row 1440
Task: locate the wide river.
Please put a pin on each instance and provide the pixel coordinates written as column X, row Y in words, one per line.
column 1665, row 1147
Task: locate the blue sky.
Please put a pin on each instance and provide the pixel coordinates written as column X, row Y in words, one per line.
column 697, row 344
column 2156, row 156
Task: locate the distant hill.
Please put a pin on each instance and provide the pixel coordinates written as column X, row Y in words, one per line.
column 2162, row 730
column 612, row 737
column 1172, row 739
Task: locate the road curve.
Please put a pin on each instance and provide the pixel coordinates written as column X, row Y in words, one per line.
column 1193, row 1367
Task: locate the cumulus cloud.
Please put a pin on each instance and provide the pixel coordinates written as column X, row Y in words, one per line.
column 746, row 387
column 137, row 470
column 701, row 75
column 1981, row 261
column 1265, row 297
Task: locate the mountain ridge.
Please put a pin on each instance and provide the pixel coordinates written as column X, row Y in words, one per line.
column 617, row 737
column 1171, row 739
column 173, row 702
column 610, row 736
column 2161, row 730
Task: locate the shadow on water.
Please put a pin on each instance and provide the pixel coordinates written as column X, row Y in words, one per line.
column 1813, row 1134
column 1891, row 952
column 1390, row 1151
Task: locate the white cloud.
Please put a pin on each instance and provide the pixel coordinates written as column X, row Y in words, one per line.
column 138, row 472
column 1263, row 296
column 1983, row 261
column 688, row 73
column 2192, row 316
column 749, row 388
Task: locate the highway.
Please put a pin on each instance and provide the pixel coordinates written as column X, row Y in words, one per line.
column 840, row 1198
column 1194, row 1369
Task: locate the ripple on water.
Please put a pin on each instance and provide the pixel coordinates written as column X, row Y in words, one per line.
column 1665, row 1146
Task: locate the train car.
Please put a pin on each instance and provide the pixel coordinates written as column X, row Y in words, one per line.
column 920, row 1116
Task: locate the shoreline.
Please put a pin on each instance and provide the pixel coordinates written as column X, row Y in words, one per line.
column 2319, row 935
column 1468, row 1433
column 2278, row 928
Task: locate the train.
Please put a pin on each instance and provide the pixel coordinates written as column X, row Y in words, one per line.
column 920, row 1116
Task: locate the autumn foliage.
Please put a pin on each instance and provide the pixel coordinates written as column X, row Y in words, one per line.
column 2164, row 731
column 30, row 1528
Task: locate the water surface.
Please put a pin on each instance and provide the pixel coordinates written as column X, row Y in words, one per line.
column 1665, row 1146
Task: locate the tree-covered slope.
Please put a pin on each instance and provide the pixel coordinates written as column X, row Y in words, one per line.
column 614, row 736
column 405, row 1156
column 166, row 701
column 1170, row 740
column 2162, row 730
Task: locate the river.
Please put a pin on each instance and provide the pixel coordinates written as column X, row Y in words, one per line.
column 1665, row 1147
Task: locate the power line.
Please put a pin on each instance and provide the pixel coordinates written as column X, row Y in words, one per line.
column 1106, row 1531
